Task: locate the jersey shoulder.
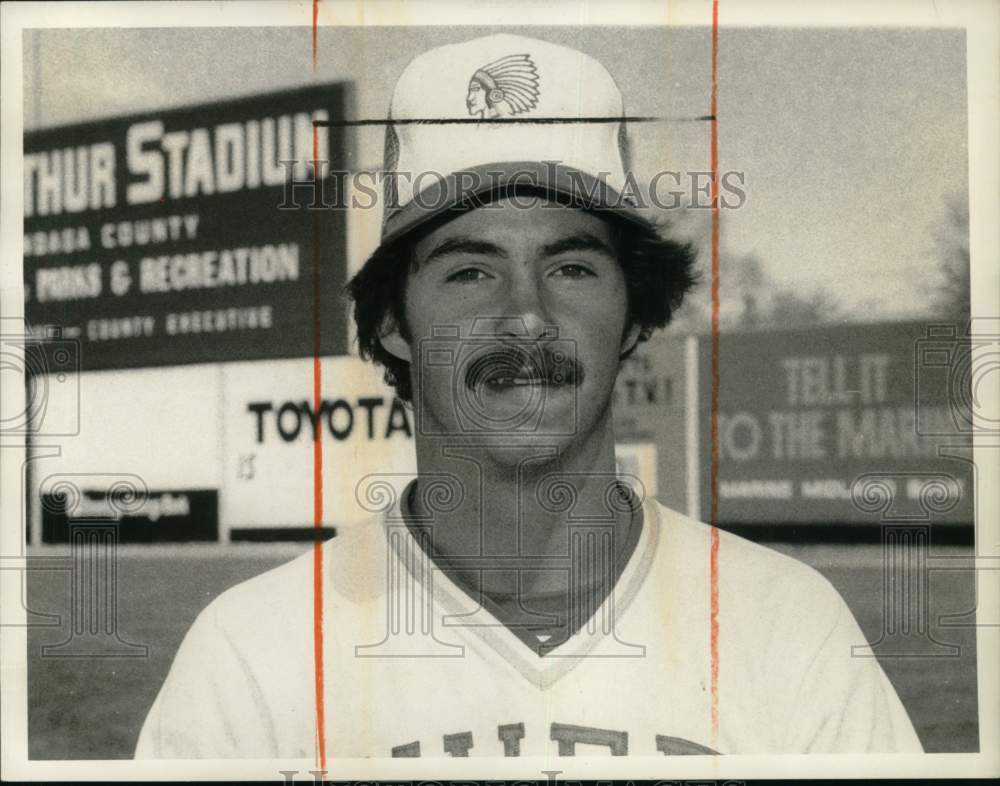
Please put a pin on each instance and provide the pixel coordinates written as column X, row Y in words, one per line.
column 352, row 568
column 750, row 576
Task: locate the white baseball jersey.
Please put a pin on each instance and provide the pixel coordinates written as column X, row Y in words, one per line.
column 412, row 666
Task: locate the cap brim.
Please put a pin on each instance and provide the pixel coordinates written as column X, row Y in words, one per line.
column 467, row 189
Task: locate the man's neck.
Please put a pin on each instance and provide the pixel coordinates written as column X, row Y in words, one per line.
column 514, row 504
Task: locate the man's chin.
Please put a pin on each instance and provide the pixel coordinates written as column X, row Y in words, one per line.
column 546, row 440
column 505, row 439
column 530, row 451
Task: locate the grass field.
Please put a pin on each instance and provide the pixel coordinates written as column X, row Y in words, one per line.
column 92, row 708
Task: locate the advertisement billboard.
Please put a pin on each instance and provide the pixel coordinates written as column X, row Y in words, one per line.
column 151, row 516
column 269, row 461
column 807, row 418
column 190, row 235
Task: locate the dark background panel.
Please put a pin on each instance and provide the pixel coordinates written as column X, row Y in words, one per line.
column 197, row 518
column 883, row 400
column 247, row 218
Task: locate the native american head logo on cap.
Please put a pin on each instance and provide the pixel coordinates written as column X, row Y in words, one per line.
column 507, row 86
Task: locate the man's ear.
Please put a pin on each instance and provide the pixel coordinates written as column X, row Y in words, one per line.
column 393, row 341
column 630, row 339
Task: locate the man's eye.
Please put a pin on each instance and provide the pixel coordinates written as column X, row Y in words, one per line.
column 467, row 274
column 573, row 271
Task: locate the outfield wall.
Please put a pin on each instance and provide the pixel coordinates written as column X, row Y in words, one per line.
column 820, row 425
column 171, row 280
column 814, row 427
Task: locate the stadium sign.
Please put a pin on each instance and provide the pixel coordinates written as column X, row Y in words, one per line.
column 807, row 418
column 176, row 237
column 161, row 516
column 270, row 422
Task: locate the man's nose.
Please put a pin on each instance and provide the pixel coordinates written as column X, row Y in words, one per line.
column 523, row 313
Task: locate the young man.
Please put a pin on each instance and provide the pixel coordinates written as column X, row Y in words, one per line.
column 518, row 598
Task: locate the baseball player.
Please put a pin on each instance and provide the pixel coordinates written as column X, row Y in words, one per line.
column 517, row 597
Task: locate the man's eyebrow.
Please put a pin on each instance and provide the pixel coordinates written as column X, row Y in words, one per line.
column 464, row 245
column 583, row 241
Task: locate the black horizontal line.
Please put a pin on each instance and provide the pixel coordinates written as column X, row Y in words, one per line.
column 442, row 121
column 299, row 534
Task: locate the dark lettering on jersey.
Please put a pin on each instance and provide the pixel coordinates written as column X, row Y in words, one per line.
column 511, row 734
column 409, row 751
column 566, row 735
column 458, row 744
column 678, row 746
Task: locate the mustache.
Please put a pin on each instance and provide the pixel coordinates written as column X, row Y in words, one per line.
column 553, row 365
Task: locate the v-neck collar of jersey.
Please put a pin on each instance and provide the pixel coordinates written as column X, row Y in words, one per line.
column 455, row 608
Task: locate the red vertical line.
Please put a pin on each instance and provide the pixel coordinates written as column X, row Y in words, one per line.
column 315, row 24
column 714, row 477
column 317, row 467
column 317, row 457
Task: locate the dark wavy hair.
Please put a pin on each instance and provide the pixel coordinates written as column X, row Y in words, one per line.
column 659, row 272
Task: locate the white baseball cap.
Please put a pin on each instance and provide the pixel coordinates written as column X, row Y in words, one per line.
column 500, row 113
